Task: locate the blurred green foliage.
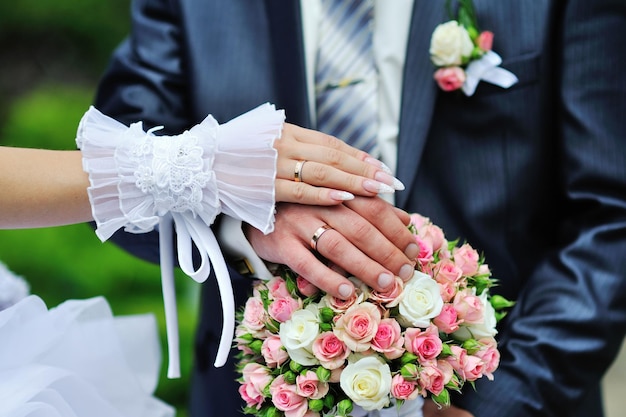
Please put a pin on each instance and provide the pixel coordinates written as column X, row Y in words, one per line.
column 52, row 53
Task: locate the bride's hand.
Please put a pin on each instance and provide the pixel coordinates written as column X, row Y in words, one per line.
column 318, row 169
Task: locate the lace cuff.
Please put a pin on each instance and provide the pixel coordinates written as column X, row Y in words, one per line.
column 139, row 180
column 137, row 177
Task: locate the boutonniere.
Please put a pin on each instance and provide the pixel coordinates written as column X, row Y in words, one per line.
column 463, row 55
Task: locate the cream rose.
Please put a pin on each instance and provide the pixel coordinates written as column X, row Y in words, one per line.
column 421, row 301
column 298, row 334
column 450, row 44
column 367, row 382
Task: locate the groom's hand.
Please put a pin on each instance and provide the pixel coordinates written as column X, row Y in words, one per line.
column 369, row 239
column 432, row 410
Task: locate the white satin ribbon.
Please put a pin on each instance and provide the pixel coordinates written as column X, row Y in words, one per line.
column 487, row 69
column 191, row 230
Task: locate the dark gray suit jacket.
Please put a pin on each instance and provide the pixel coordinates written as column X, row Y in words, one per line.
column 535, row 175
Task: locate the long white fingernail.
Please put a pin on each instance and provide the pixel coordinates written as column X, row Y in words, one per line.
column 378, row 164
column 377, row 187
column 341, row 195
column 389, row 180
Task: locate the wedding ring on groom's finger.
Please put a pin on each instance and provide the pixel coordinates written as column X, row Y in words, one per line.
column 316, row 236
column 297, row 173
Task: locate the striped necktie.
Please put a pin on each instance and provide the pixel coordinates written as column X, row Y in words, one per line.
column 346, row 77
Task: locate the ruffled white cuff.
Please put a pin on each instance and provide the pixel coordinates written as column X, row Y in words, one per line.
column 137, row 177
column 139, row 180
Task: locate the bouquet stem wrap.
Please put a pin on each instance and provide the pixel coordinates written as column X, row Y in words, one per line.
column 140, row 181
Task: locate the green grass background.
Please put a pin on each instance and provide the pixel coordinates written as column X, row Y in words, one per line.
column 52, row 53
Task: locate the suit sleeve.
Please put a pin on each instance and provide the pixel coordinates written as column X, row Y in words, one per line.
column 570, row 317
column 144, row 82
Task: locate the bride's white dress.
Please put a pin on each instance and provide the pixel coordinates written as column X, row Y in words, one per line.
column 78, row 360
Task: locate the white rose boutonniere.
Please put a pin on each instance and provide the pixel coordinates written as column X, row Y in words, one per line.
column 463, row 55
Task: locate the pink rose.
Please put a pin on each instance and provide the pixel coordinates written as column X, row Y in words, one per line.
column 391, row 297
column 255, row 378
column 305, row 287
column 254, row 314
column 432, row 379
column 485, row 40
column 402, row 389
column 286, row 399
column 330, row 351
column 281, row 308
column 457, row 359
column 252, row 396
column 278, row 288
column 491, row 360
column 473, row 368
column 469, row 307
column 418, row 220
column 450, row 78
column 447, row 291
column 425, row 255
column 309, row 386
column 447, row 321
column 273, row 351
column 358, row 326
column 256, row 374
column 435, row 235
column 447, row 371
column 466, row 258
column 469, row 367
column 388, row 339
column 447, row 271
column 338, row 305
column 424, row 343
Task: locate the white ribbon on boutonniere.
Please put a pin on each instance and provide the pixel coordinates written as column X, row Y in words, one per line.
column 487, row 68
column 463, row 55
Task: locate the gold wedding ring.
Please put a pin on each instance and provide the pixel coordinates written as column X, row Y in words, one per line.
column 316, row 236
column 297, row 173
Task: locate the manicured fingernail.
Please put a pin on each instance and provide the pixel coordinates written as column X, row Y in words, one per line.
column 377, row 187
column 389, row 180
column 412, row 251
column 341, row 195
column 379, row 164
column 406, row 272
column 345, row 290
column 385, row 279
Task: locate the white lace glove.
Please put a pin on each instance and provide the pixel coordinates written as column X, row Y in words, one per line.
column 139, row 180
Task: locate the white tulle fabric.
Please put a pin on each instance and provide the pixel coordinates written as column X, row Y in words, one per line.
column 140, row 181
column 77, row 360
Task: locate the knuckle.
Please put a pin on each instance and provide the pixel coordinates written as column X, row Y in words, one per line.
column 319, row 173
column 299, row 192
column 334, row 157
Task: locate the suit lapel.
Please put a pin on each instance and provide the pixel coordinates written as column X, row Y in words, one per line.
column 285, row 26
column 419, row 92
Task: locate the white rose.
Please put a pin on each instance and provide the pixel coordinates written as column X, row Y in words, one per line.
column 298, row 334
column 421, row 301
column 449, row 44
column 485, row 329
column 367, row 382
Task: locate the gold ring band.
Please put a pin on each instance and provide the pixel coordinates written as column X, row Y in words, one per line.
column 318, row 233
column 297, row 173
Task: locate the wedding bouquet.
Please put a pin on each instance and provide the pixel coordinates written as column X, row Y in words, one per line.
column 304, row 352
